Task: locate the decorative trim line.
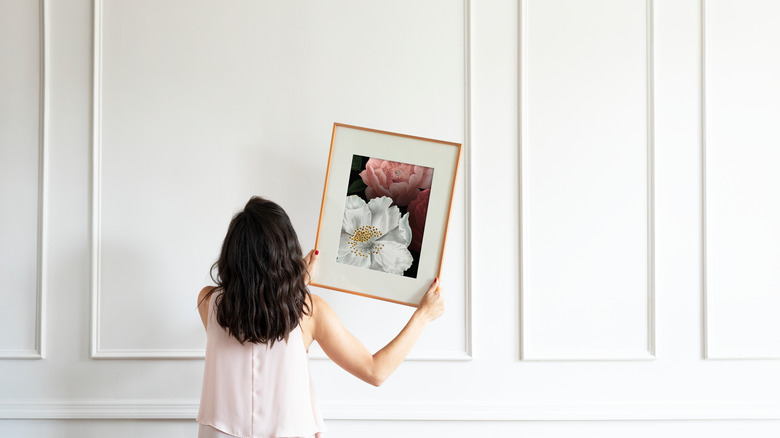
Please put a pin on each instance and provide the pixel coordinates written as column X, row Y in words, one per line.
column 649, row 354
column 99, row 409
column 96, row 196
column 706, row 348
column 447, row 356
column 20, row 354
column 650, row 78
column 549, row 411
column 605, row 356
column 148, row 354
column 435, row 410
column 39, row 351
column 43, row 181
column 737, row 355
column 95, row 176
column 467, row 206
column 703, row 108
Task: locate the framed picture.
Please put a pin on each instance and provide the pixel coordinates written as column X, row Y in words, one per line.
column 385, row 209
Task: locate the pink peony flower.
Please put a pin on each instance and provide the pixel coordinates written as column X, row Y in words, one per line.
column 418, row 210
column 399, row 181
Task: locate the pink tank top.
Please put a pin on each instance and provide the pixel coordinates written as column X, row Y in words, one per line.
column 254, row 391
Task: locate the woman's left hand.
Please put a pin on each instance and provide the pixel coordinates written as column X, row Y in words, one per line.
column 311, row 264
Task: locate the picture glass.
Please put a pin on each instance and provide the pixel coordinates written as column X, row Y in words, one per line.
column 384, row 215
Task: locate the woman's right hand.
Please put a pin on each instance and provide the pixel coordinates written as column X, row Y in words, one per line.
column 432, row 304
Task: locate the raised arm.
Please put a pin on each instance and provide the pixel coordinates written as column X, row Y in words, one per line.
column 349, row 353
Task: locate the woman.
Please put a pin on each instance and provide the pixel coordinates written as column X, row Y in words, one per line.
column 260, row 320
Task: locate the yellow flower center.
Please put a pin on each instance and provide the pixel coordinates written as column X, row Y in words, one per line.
column 359, row 241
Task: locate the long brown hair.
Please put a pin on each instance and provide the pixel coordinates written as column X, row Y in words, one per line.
column 262, row 275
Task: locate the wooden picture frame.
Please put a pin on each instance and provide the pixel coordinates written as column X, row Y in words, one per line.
column 384, row 213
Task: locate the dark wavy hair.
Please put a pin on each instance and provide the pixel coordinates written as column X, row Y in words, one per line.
column 262, row 275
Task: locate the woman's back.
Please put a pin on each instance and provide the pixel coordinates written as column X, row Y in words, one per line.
column 253, row 390
column 260, row 320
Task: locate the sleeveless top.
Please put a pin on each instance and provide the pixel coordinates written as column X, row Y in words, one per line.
column 257, row 391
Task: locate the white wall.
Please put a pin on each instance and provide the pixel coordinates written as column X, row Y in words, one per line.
column 594, row 285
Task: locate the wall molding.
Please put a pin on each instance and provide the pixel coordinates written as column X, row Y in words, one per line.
column 95, row 176
column 97, row 352
column 467, row 206
column 594, row 357
column 434, row 410
column 649, row 352
column 703, row 108
column 443, row 356
column 706, row 349
column 39, row 350
column 147, row 354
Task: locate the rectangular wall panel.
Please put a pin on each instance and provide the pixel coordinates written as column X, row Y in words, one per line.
column 742, row 182
column 239, row 100
column 586, row 179
column 21, row 148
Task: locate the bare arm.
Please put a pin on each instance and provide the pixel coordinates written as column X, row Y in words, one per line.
column 349, row 353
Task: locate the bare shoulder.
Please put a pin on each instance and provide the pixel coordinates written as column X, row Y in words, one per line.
column 309, row 320
column 319, row 306
column 203, row 292
column 204, row 298
column 203, row 304
column 313, row 302
column 319, row 312
column 317, row 300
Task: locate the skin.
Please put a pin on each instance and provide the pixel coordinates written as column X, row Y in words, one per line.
column 323, row 325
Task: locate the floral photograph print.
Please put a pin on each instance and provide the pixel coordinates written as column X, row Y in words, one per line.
column 384, row 215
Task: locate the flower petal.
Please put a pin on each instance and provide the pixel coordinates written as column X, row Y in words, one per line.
column 393, row 257
column 405, row 229
column 427, row 177
column 356, row 214
column 383, row 217
column 355, row 260
column 400, row 188
column 344, row 248
column 353, row 202
column 401, row 234
column 375, row 265
column 365, row 175
column 346, row 256
column 403, row 193
column 378, row 181
column 415, row 178
column 378, row 204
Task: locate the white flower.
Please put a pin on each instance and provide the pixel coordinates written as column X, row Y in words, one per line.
column 375, row 236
